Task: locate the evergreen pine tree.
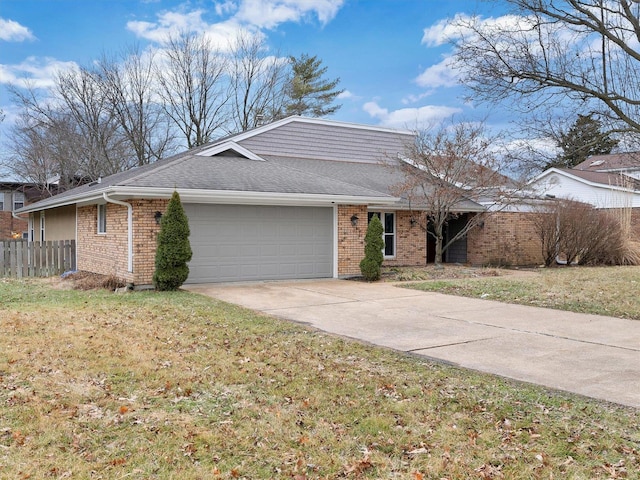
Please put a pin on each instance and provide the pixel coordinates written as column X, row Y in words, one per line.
column 173, row 250
column 584, row 139
column 373, row 245
column 308, row 93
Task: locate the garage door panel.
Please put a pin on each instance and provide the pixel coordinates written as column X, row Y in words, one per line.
column 241, row 242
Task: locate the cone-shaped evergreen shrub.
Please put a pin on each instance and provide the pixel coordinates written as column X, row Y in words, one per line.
column 373, row 245
column 173, row 250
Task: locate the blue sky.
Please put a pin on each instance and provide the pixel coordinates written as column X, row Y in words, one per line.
column 389, row 54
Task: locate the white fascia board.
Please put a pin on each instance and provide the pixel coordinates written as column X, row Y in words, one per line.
column 249, row 198
column 214, row 196
column 79, row 199
column 405, row 207
column 223, row 147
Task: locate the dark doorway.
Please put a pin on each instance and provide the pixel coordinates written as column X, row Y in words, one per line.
column 457, row 252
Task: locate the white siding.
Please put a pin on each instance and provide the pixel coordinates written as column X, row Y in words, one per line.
column 561, row 186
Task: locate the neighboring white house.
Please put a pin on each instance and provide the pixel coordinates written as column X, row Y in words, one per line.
column 602, row 189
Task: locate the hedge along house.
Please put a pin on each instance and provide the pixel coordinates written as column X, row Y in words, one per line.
column 286, row 200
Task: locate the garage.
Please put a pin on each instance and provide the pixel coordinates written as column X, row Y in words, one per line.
column 233, row 243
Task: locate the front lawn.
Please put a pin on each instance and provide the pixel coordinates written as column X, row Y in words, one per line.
column 178, row 386
column 612, row 291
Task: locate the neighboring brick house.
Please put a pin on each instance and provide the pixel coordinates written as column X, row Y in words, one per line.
column 287, row 200
column 13, row 196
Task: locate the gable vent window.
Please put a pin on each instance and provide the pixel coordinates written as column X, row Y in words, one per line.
column 102, row 218
column 388, row 220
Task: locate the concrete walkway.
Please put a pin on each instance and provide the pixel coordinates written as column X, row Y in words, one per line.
column 590, row 355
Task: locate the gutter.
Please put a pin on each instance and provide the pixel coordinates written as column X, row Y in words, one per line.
column 129, row 228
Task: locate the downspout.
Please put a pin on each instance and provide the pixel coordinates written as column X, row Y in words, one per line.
column 129, row 229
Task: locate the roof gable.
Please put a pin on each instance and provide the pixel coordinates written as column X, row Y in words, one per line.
column 229, row 149
column 301, row 137
column 608, row 180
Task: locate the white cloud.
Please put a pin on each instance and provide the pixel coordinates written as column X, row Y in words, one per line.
column 271, row 13
column 11, row 31
column 35, row 72
column 443, row 31
column 251, row 15
column 345, row 94
column 169, row 24
column 410, row 117
column 454, row 29
column 442, row 74
column 225, row 8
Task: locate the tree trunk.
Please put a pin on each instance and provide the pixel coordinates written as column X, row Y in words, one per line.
column 438, row 257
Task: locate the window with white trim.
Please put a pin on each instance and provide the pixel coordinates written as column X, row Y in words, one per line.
column 102, row 218
column 388, row 220
column 18, row 200
column 31, row 238
column 1, row 201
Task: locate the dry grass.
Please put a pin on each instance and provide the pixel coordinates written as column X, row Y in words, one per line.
column 177, row 386
column 611, row 291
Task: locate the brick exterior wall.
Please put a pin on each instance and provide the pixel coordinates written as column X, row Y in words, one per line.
column 9, row 224
column 103, row 253
column 507, row 238
column 145, row 231
column 411, row 243
column 351, row 239
column 411, row 248
column 107, row 253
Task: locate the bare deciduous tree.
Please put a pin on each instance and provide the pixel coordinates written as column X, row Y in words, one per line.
column 105, row 150
column 193, row 87
column 257, row 83
column 70, row 134
column 127, row 83
column 580, row 54
column 449, row 172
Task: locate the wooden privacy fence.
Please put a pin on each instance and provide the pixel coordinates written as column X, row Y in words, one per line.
column 20, row 258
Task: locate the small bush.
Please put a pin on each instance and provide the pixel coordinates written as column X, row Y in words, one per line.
column 371, row 264
column 173, row 250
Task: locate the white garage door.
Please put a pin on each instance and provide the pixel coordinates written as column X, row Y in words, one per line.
column 243, row 242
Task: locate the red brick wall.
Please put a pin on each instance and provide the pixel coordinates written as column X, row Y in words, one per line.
column 411, row 243
column 351, row 239
column 145, row 231
column 507, row 238
column 411, row 247
column 103, row 253
column 107, row 253
column 9, row 224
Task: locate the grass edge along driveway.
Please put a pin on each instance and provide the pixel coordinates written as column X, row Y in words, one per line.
column 610, row 291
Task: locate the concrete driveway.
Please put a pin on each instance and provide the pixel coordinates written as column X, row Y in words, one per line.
column 590, row 355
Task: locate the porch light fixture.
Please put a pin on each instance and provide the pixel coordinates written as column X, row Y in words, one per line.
column 157, row 217
column 354, row 220
column 413, row 221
